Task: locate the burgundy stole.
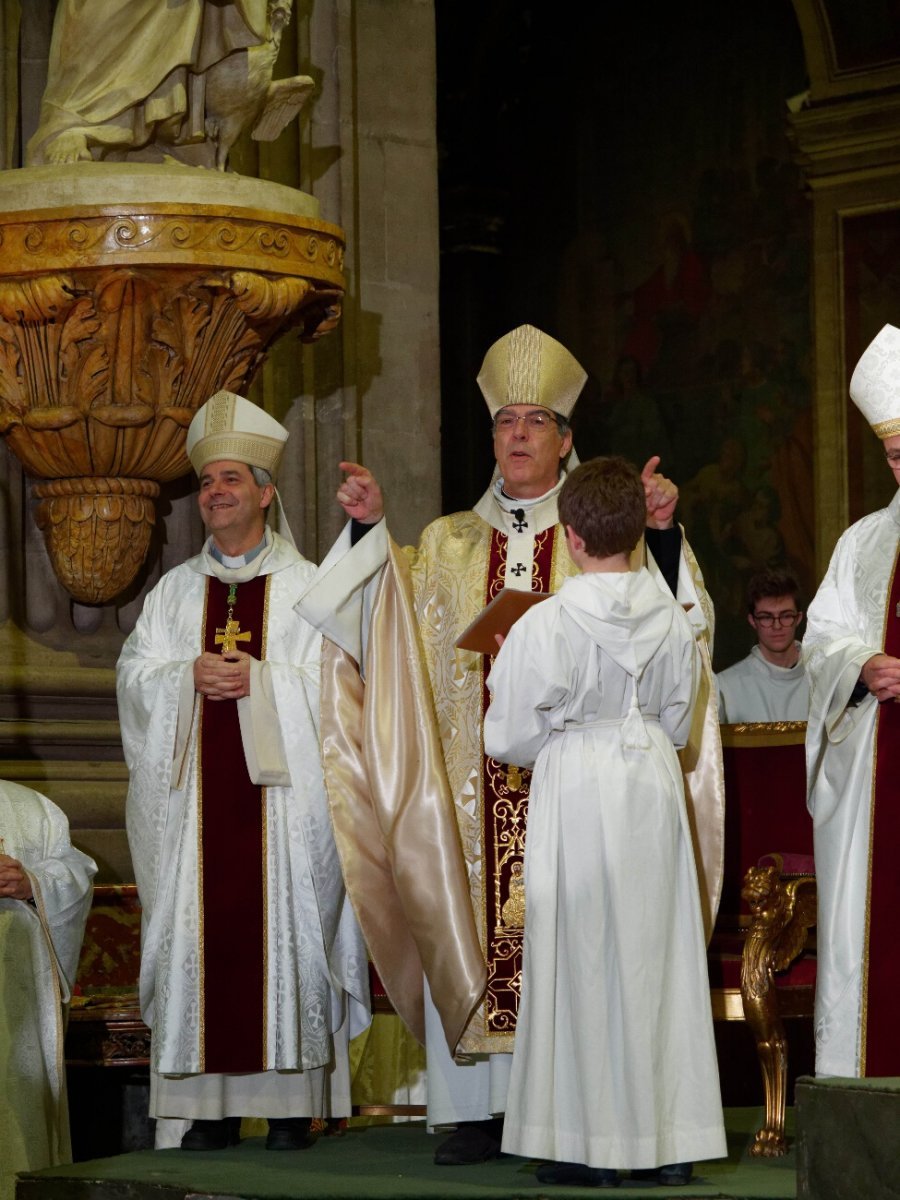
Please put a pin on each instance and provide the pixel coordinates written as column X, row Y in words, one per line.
column 505, row 814
column 232, row 860
column 881, row 990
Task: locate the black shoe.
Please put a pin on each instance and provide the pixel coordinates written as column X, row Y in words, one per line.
column 473, row 1142
column 212, row 1135
column 289, row 1133
column 673, row 1175
column 577, row 1173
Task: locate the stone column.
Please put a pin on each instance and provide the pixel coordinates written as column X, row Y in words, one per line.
column 846, row 136
column 366, row 148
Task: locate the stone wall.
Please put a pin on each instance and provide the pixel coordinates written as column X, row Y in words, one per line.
column 365, row 148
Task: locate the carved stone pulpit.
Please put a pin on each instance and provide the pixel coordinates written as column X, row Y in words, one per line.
column 129, row 293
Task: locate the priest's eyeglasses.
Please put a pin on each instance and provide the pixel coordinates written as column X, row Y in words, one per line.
column 538, row 422
column 893, row 457
column 783, row 618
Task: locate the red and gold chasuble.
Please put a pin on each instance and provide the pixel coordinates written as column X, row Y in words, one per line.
column 881, row 963
column 506, row 789
column 232, row 857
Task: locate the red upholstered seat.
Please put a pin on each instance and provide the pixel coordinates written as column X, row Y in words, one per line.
column 762, row 963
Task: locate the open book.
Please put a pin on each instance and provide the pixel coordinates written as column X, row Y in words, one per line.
column 498, row 616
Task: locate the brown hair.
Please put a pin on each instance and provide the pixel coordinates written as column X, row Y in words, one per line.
column 603, row 501
column 771, row 582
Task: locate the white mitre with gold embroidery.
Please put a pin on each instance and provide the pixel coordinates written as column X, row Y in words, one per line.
column 875, row 386
column 527, row 366
column 228, row 427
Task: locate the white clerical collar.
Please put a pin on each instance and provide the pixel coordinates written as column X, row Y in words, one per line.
column 211, row 560
column 240, row 560
column 510, row 503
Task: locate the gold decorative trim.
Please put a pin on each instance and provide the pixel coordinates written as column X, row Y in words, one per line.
column 171, row 236
column 201, row 994
column 764, row 733
column 727, row 1004
column 885, row 429
column 264, row 809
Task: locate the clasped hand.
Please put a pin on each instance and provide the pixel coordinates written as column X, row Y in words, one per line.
column 223, row 676
column 14, row 881
column 881, row 675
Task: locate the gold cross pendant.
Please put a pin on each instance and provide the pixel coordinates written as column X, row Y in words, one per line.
column 229, row 637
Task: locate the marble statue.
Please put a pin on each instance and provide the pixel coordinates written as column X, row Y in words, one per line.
column 140, row 80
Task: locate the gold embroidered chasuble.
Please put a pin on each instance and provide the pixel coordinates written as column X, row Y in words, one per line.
column 460, row 563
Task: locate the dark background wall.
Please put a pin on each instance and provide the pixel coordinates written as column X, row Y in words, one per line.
column 622, row 178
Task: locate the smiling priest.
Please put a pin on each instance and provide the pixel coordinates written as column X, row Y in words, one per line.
column 253, row 970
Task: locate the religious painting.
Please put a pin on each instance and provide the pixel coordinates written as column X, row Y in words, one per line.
column 703, row 296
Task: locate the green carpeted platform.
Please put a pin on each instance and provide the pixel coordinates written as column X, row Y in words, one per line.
column 381, row 1163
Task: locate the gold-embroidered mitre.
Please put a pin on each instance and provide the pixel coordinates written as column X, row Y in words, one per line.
column 875, row 385
column 228, row 427
column 527, row 366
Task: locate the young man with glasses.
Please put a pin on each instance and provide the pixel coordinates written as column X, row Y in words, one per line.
column 770, row 684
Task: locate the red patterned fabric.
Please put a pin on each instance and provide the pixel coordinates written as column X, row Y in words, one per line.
column 505, row 815
column 232, row 861
column 882, row 961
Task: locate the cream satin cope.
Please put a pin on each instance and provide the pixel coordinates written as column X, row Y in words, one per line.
column 393, row 816
column 449, row 579
column 434, row 596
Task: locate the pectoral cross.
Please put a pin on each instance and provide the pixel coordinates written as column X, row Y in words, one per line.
column 229, row 637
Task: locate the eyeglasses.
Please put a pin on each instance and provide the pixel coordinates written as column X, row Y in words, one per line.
column 538, row 422
column 893, row 457
column 783, row 618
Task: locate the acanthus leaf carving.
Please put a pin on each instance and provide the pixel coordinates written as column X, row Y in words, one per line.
column 263, row 298
column 34, row 299
column 114, row 331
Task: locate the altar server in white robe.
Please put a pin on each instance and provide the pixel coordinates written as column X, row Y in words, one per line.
column 614, row 1063
column 253, row 970
column 852, row 654
column 45, row 894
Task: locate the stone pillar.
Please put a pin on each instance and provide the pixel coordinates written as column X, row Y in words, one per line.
column 366, row 148
column 846, row 136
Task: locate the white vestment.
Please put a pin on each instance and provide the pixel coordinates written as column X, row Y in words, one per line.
column 614, row 1062
column 449, row 574
column 315, row 960
column 477, row 1090
column 39, row 948
column 845, row 628
column 755, row 689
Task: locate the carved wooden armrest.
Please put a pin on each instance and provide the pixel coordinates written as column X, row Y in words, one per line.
column 782, row 913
